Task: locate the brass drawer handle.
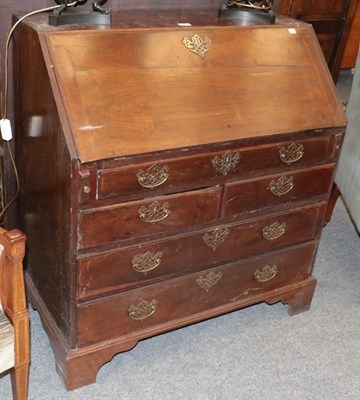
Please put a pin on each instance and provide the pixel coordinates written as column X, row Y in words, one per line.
column 209, row 280
column 281, row 186
column 154, row 213
column 274, row 231
column 143, row 310
column 146, row 262
column 266, row 274
column 226, row 163
column 197, row 44
column 153, row 177
column 216, row 237
column 292, row 153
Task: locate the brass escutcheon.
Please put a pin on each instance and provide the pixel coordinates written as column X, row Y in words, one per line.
column 282, row 186
column 226, row 163
column 153, row 177
column 146, row 262
column 292, row 153
column 266, row 274
column 198, row 45
column 216, row 237
column 154, row 213
column 209, row 280
column 143, row 310
column 274, row 231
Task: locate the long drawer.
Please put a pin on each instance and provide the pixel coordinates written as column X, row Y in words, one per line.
column 144, row 264
column 139, row 311
column 109, row 224
column 170, row 174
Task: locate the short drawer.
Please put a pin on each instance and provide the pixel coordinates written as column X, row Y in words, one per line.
column 168, row 304
column 144, row 264
column 264, row 192
column 171, row 174
column 110, row 224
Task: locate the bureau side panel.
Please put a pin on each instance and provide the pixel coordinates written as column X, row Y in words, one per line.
column 45, row 178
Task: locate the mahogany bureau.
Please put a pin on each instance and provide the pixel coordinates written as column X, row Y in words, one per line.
column 172, row 170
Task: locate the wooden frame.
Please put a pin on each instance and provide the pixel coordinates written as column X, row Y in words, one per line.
column 13, row 300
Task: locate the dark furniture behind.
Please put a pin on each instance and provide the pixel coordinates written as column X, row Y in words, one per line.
column 331, row 20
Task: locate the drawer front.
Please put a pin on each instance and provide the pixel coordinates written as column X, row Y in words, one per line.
column 277, row 189
column 148, row 263
column 170, row 174
column 167, row 213
column 144, row 310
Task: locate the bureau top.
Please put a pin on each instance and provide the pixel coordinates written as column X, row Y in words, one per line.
column 136, row 90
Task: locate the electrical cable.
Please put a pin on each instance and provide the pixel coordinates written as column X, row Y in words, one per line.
column 4, row 94
column 17, row 182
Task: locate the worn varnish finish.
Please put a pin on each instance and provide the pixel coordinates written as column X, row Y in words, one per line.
column 127, row 57
column 184, row 297
column 122, row 181
column 114, row 270
column 161, row 188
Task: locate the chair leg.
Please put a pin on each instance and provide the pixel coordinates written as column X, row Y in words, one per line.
column 20, row 382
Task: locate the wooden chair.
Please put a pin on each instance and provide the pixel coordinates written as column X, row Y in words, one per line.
column 14, row 316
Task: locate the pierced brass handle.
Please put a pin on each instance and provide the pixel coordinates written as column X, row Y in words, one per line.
column 281, row 186
column 226, row 163
column 216, row 237
column 292, row 153
column 209, row 280
column 153, row 177
column 197, row 44
column 154, row 213
column 266, row 274
column 146, row 262
column 143, row 310
column 274, row 231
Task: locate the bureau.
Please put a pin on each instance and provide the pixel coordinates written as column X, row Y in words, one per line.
column 172, row 169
